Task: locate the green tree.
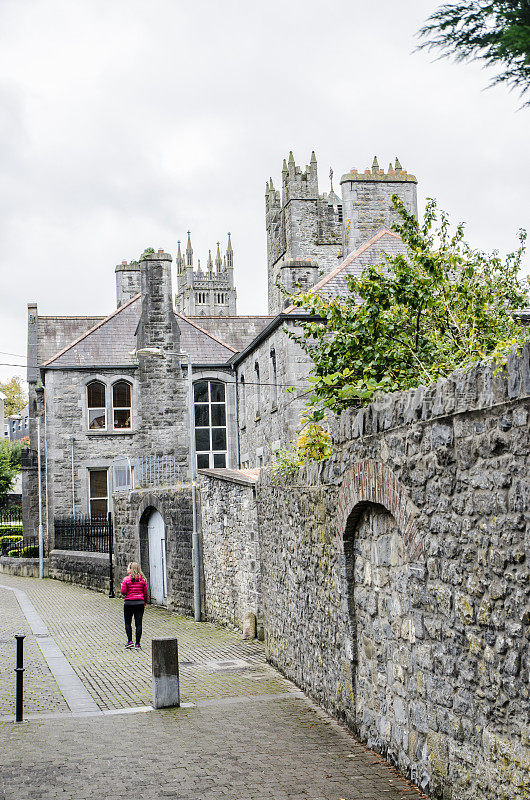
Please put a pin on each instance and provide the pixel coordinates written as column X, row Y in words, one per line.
column 415, row 317
column 8, row 468
column 16, row 397
column 496, row 32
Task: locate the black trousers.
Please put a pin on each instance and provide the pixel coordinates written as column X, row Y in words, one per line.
column 138, row 611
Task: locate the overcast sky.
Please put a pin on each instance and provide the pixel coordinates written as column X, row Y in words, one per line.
column 124, row 124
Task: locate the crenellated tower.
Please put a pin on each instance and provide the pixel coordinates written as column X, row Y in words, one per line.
column 304, row 232
column 367, row 201
column 206, row 292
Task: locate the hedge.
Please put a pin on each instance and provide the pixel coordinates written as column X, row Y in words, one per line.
column 11, row 530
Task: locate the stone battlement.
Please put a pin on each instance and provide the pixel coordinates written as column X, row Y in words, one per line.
column 395, row 173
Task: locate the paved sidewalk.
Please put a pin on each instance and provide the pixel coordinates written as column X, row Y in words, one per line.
column 88, row 627
column 249, row 735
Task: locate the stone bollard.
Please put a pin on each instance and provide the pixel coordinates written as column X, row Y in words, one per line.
column 166, row 689
column 249, row 625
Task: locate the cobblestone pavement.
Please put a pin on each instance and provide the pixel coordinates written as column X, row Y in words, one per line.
column 41, row 691
column 250, row 736
column 88, row 627
column 258, row 749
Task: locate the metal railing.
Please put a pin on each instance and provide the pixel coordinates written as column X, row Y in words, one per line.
column 88, row 534
column 147, row 471
column 158, row 470
column 28, row 547
column 11, row 516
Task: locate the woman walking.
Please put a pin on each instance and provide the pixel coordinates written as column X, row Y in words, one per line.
column 134, row 591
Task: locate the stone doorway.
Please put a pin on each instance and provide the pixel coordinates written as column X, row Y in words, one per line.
column 153, row 554
column 379, row 601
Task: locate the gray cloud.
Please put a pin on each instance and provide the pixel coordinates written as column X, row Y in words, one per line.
column 124, row 124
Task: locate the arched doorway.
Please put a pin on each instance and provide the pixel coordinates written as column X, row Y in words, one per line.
column 383, row 550
column 379, row 598
column 156, row 539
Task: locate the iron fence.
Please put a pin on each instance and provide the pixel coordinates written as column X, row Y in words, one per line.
column 27, row 547
column 158, row 470
column 88, row 534
column 11, row 516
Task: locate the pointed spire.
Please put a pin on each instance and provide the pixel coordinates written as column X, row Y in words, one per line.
column 398, row 165
column 313, row 157
column 210, row 262
column 189, row 252
column 199, row 265
column 390, row 168
column 179, row 253
column 375, row 165
column 218, row 262
column 291, row 158
column 271, row 185
column 284, row 168
column 229, row 253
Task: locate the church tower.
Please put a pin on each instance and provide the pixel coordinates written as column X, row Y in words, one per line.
column 304, row 232
column 209, row 292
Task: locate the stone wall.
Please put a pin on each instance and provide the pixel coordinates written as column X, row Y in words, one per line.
column 86, row 569
column 24, row 567
column 395, row 580
column 131, row 517
column 230, row 547
column 268, row 413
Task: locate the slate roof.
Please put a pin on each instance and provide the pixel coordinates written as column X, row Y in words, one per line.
column 237, row 331
column 373, row 251
column 55, row 333
column 111, row 340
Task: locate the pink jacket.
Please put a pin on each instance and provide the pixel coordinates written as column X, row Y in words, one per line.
column 134, row 590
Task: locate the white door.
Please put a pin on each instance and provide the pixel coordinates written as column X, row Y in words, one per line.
column 157, row 557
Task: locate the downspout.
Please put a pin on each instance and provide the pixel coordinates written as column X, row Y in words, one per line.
column 73, row 478
column 237, row 418
column 46, row 480
column 41, row 563
column 195, row 551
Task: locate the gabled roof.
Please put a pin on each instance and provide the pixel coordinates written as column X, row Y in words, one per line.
column 237, row 331
column 333, row 284
column 110, row 342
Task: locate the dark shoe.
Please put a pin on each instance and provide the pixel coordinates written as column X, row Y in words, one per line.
column 128, row 645
column 137, row 646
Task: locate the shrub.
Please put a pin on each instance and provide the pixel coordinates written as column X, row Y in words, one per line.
column 14, row 553
column 31, row 551
column 10, row 538
column 10, row 530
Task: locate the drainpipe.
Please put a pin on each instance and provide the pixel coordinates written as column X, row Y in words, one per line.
column 72, row 439
column 237, row 418
column 41, row 564
column 195, row 552
column 46, row 480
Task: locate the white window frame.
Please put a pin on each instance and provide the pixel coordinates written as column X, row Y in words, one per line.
column 90, row 498
column 96, row 408
column 211, row 453
column 122, row 408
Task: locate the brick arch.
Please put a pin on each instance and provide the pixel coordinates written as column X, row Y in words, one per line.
column 371, row 482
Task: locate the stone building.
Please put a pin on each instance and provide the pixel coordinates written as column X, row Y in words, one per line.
column 208, row 292
column 113, row 396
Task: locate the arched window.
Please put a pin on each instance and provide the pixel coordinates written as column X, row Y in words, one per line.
column 97, row 406
column 210, row 424
column 274, row 379
column 258, row 390
column 243, row 401
column 121, row 404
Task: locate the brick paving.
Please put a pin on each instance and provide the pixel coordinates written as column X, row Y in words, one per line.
column 88, row 627
column 41, row 693
column 250, row 736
